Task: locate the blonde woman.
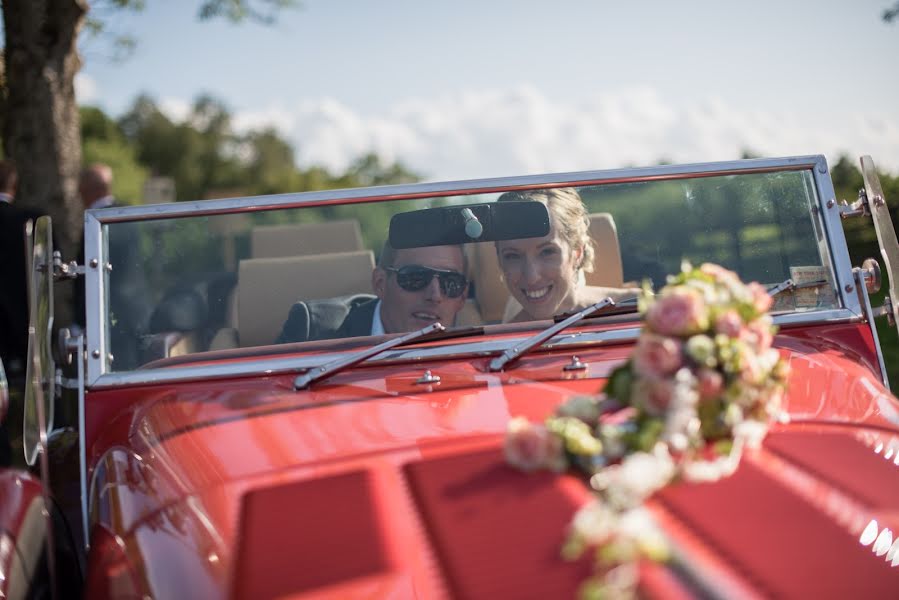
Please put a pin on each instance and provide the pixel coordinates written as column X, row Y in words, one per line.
column 546, row 275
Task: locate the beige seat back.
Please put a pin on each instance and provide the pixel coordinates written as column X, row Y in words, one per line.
column 490, row 291
column 492, row 296
column 303, row 239
column 268, row 287
column 607, row 268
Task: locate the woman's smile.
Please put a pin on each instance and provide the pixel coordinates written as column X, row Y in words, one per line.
column 537, row 295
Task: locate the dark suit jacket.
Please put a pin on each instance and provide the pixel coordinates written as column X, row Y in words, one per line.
column 347, row 316
column 13, row 287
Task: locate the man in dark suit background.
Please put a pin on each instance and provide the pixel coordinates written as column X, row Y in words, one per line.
column 13, row 288
column 414, row 287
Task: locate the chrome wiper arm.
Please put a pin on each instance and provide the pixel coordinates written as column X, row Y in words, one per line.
column 515, row 352
column 335, row 366
column 790, row 285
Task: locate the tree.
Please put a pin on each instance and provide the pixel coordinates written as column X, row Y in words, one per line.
column 102, row 141
column 41, row 129
column 207, row 157
column 891, row 13
column 41, row 121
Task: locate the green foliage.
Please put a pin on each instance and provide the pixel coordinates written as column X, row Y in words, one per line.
column 207, row 158
column 119, row 46
column 891, row 13
column 237, row 11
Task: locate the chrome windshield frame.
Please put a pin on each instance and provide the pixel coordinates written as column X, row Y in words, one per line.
column 98, row 364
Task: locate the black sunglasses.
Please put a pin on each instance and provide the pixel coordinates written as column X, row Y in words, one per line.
column 413, row 278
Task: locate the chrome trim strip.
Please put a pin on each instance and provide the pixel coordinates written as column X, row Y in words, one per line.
column 835, row 315
column 278, row 366
column 475, row 186
column 869, row 317
column 841, row 264
column 95, row 297
column 82, row 450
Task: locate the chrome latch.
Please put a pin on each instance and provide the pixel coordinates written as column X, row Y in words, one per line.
column 428, row 377
column 575, row 365
column 860, row 207
column 65, row 270
column 886, row 309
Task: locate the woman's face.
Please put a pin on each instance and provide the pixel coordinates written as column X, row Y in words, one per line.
column 540, row 272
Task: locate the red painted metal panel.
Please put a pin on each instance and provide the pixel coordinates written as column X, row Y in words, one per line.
column 778, row 542
column 297, row 537
column 844, row 462
column 498, row 531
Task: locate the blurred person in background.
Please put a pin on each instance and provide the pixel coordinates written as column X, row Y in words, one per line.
column 128, row 295
column 13, row 290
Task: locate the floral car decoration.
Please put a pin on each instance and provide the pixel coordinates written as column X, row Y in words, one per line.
column 702, row 384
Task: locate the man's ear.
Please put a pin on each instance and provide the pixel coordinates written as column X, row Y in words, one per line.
column 379, row 281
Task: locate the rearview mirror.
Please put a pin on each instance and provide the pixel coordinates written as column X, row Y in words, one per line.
column 452, row 225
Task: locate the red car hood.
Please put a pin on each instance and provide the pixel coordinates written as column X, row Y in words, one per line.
column 373, row 484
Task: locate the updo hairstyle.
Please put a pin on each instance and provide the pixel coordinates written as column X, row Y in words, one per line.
column 570, row 215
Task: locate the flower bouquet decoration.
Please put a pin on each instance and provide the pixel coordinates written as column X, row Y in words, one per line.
column 702, row 383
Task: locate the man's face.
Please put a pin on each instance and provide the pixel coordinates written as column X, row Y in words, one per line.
column 404, row 310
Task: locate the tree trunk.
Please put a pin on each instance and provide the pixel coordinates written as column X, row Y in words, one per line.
column 41, row 130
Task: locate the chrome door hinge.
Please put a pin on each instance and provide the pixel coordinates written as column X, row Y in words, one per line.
column 861, row 207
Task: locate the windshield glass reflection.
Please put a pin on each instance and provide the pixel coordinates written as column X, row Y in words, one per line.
column 187, row 285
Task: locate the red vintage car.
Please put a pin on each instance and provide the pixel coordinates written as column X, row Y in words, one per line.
column 307, row 395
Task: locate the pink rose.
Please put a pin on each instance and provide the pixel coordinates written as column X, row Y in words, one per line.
column 758, row 334
column 718, row 272
column 680, row 311
column 711, row 384
column 618, row 417
column 654, row 395
column 761, row 299
column 729, row 323
column 751, row 371
column 530, row 447
column 656, row 355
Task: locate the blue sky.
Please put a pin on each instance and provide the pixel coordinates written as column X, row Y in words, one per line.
column 474, row 88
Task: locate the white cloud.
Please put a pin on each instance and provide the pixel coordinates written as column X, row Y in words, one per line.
column 174, row 108
column 85, row 89
column 492, row 133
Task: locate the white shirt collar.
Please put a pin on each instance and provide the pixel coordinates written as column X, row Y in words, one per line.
column 6, row 198
column 103, row 202
column 377, row 326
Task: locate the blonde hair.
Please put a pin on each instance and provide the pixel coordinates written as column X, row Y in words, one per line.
column 570, row 214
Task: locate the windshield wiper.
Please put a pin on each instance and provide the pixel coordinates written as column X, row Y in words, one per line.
column 621, row 307
column 789, row 286
column 335, row 366
column 516, row 352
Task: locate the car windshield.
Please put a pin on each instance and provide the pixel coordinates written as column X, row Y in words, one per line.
column 321, row 269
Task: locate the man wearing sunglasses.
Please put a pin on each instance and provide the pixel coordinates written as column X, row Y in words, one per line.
column 414, row 287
